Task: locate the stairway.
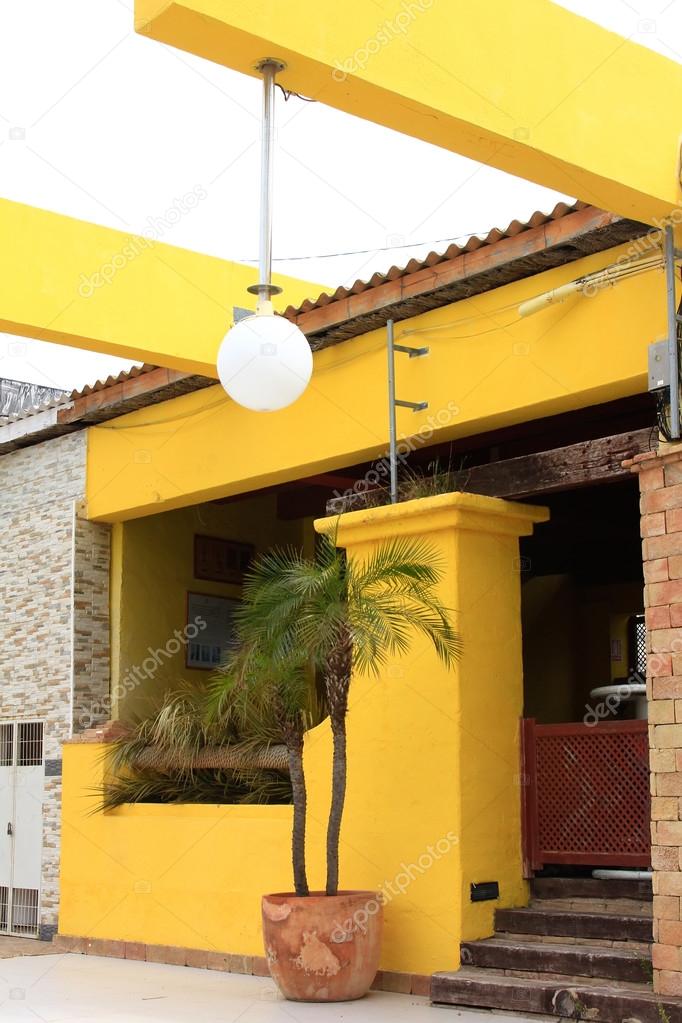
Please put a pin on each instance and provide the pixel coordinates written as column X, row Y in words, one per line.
column 581, row 950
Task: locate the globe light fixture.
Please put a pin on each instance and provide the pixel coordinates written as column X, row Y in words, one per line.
column 265, row 361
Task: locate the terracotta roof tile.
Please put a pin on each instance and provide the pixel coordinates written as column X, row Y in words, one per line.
column 496, row 234
column 69, row 396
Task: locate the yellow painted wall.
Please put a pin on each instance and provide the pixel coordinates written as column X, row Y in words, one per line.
column 168, row 875
column 491, row 697
column 152, row 571
column 564, row 116
column 432, row 753
column 487, row 368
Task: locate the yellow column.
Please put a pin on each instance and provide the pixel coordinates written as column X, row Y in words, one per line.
column 433, row 801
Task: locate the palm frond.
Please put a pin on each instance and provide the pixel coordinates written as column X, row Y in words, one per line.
column 296, row 608
column 402, row 558
column 237, row 710
column 217, row 787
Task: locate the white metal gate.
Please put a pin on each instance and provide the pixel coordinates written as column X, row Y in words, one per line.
column 21, row 826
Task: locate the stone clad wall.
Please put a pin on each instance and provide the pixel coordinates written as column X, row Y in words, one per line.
column 660, row 479
column 54, row 655
column 91, row 665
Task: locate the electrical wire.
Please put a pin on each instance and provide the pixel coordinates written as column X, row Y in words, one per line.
column 288, row 93
column 325, row 369
column 378, row 248
column 663, row 416
column 463, row 319
column 168, row 419
column 625, row 274
column 663, row 408
column 663, row 424
column 472, row 334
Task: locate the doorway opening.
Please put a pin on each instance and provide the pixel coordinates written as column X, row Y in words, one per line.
column 586, row 772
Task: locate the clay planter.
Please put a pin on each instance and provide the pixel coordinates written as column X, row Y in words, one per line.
column 323, row 948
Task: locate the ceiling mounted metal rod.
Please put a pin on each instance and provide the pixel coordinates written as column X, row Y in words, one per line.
column 264, row 361
column 265, row 289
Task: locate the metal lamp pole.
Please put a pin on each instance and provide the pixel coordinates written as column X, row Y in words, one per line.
column 265, row 289
column 393, row 403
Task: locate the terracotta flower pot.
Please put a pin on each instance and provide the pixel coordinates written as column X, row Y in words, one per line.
column 323, row 948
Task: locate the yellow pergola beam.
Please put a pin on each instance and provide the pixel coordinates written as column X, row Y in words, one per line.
column 487, row 368
column 525, row 86
column 91, row 287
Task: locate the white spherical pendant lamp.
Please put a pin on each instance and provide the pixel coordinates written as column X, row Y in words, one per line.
column 265, row 362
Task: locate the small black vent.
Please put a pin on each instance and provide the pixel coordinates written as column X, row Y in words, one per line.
column 484, row 891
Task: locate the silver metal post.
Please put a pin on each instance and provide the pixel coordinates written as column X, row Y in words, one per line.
column 393, row 447
column 673, row 348
column 265, row 288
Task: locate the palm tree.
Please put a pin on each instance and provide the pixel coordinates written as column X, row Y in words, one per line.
column 339, row 615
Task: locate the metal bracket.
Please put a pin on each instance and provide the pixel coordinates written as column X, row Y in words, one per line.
column 393, row 402
column 413, row 353
column 416, row 406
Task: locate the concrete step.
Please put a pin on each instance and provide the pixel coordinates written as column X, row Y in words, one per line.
column 621, row 907
column 604, row 962
column 590, row 888
column 643, row 947
column 608, row 926
column 569, row 999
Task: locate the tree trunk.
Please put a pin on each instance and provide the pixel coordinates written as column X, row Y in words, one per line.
column 337, row 684
column 292, row 733
column 300, row 807
column 336, row 809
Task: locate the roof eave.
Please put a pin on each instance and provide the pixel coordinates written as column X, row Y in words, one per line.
column 93, row 406
column 532, row 251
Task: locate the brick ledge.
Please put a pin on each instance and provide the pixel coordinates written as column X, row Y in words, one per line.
column 227, row 962
column 665, row 454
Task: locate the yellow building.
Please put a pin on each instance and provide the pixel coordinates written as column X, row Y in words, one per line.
column 162, row 491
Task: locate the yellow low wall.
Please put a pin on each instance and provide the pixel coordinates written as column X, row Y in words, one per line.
column 433, row 801
column 167, row 875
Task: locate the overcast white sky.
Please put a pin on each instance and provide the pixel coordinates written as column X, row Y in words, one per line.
column 101, row 124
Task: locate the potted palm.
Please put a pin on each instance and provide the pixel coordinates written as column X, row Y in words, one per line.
column 334, row 616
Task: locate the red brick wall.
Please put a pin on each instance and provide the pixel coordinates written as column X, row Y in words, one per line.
column 660, row 480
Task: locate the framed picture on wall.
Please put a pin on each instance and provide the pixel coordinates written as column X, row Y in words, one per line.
column 213, row 636
column 219, row 560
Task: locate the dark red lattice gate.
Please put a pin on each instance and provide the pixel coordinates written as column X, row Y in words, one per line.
column 586, row 794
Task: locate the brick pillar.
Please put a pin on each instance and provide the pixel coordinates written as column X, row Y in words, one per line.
column 660, row 481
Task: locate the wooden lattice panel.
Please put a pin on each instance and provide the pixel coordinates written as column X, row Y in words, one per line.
column 587, row 799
